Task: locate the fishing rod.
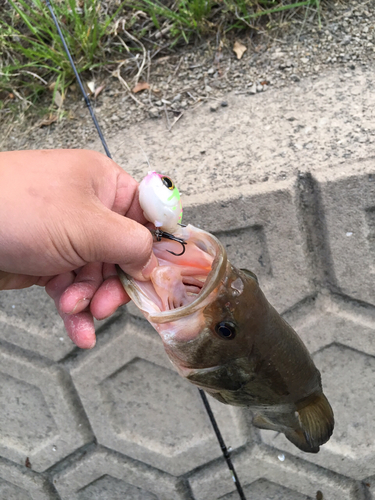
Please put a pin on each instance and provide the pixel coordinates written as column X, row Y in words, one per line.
column 224, row 449
column 206, row 403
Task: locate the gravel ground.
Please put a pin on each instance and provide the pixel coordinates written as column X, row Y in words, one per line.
column 185, row 80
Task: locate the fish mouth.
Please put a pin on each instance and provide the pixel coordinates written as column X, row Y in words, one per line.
column 180, row 285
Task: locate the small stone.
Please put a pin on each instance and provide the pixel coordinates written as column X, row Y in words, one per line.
column 208, row 88
column 158, row 103
column 211, row 71
column 294, row 77
column 177, row 98
column 214, row 107
column 252, row 90
column 184, row 104
column 153, row 113
column 224, row 104
column 259, row 88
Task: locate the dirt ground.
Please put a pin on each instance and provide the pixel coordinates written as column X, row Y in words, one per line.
column 211, row 75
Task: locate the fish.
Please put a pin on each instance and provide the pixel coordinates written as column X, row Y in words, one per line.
column 222, row 335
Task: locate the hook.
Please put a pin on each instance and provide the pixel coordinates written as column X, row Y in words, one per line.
column 162, row 234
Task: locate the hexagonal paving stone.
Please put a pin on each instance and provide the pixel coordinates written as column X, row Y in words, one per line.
column 23, row 410
column 350, row 227
column 266, row 471
column 328, row 319
column 149, row 403
column 114, row 489
column 20, row 483
column 10, row 492
column 262, row 226
column 349, row 378
column 28, row 319
column 40, row 418
column 265, row 490
column 139, row 406
column 370, row 486
column 247, row 248
column 101, row 474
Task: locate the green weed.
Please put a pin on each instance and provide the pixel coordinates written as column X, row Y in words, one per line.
column 31, row 51
column 32, row 57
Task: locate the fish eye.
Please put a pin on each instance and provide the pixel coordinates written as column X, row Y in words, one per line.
column 226, row 329
column 167, row 182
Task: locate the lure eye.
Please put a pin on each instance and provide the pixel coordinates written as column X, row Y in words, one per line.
column 226, row 330
column 167, row 182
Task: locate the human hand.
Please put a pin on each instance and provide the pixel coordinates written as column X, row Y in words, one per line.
column 62, row 226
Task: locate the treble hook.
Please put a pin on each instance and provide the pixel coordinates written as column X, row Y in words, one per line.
column 159, row 234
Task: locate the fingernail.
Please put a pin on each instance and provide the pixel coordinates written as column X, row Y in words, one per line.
column 80, row 306
column 149, row 267
column 92, row 344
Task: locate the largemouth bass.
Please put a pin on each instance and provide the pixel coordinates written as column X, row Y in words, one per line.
column 222, row 335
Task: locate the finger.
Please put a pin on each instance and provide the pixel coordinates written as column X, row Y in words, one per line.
column 80, row 327
column 108, row 298
column 78, row 295
column 11, row 281
column 56, row 286
column 127, row 198
column 106, row 236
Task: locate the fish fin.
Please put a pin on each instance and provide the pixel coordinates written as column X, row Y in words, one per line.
column 263, row 422
column 217, row 395
column 223, row 377
column 298, row 438
column 250, row 274
column 316, row 419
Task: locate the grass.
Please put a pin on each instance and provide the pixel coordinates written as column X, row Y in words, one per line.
column 31, row 51
column 103, row 34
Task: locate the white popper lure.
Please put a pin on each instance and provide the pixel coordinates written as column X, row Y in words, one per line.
column 160, row 201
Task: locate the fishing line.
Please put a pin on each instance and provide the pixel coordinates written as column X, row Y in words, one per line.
column 206, row 403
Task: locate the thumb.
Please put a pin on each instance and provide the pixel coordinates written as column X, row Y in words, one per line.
column 115, row 239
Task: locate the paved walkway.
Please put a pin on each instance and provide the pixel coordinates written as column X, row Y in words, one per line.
column 286, row 179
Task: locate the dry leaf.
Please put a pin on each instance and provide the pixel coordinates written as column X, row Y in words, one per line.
column 91, row 87
column 98, row 90
column 51, row 86
column 58, row 100
column 140, row 86
column 239, row 49
column 46, row 121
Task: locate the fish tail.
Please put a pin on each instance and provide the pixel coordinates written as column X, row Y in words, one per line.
column 316, row 421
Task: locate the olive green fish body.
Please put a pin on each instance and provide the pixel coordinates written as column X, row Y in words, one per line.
column 228, row 340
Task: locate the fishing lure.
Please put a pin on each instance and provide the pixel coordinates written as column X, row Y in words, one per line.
column 160, row 201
